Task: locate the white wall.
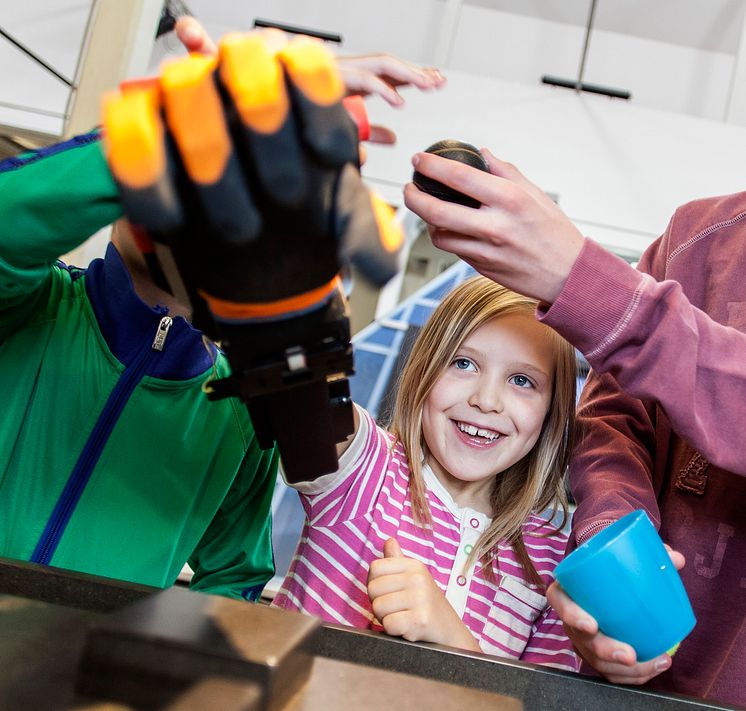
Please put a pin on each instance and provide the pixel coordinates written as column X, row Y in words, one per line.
column 675, row 55
column 660, row 75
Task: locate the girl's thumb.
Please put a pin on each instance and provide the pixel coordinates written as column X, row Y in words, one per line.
column 391, row 549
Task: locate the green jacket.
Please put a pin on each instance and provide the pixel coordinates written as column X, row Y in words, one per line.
column 112, row 460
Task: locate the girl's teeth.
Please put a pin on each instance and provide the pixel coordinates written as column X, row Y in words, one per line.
column 472, row 430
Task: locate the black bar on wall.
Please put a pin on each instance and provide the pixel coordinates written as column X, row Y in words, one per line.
column 578, row 84
column 295, row 30
column 585, row 86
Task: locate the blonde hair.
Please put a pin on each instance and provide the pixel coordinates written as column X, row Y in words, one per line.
column 533, row 484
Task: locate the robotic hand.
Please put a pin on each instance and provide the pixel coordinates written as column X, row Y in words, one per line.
column 243, row 172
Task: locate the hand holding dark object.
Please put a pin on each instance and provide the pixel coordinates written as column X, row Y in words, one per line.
column 454, row 150
column 519, row 237
column 243, row 169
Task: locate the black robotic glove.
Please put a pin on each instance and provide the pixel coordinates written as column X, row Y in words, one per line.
column 243, row 169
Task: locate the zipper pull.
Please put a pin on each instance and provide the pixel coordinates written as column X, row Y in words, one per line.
column 161, row 333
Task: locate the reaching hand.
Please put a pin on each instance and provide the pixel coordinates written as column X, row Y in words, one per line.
column 193, row 36
column 518, row 237
column 409, row 604
column 615, row 660
column 380, row 75
column 269, row 164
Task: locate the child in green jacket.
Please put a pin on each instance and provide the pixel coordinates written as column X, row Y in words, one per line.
column 112, row 459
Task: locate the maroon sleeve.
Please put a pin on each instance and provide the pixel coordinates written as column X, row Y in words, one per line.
column 647, row 339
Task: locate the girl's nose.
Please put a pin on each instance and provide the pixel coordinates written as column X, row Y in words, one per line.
column 486, row 398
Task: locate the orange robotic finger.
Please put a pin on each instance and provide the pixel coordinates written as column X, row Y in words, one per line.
column 313, row 71
column 254, row 79
column 317, row 91
column 371, row 237
column 390, row 233
column 138, row 159
column 196, row 120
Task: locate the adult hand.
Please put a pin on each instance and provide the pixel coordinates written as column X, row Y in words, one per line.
column 615, row 660
column 518, row 237
column 381, row 75
column 409, row 604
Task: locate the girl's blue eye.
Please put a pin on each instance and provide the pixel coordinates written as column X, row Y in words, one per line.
column 463, row 364
column 522, row 381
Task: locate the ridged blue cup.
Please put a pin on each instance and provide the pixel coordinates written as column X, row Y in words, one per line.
column 624, row 577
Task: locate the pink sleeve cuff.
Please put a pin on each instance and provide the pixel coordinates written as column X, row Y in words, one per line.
column 601, row 291
column 590, row 530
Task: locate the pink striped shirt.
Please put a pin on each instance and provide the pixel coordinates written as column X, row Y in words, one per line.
column 352, row 512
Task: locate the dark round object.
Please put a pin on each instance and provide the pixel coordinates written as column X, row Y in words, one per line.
column 455, row 150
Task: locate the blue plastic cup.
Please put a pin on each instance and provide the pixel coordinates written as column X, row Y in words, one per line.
column 624, row 577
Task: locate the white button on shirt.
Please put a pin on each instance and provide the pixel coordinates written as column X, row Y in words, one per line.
column 472, row 525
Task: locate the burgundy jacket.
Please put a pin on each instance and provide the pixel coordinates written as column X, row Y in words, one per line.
column 664, row 418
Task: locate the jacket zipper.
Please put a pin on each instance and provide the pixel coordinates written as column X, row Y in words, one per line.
column 91, row 452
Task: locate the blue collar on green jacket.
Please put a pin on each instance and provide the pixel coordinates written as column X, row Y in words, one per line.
column 128, row 323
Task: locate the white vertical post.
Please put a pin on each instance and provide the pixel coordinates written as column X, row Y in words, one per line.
column 735, row 110
column 448, row 29
column 118, row 44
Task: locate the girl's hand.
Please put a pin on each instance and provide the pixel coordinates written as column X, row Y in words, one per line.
column 409, row 604
column 615, row 660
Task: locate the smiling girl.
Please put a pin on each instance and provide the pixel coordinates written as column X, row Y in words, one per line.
column 436, row 530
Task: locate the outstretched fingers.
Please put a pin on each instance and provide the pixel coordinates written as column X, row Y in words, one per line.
column 381, row 74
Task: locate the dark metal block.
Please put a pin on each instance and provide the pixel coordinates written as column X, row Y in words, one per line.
column 40, row 647
column 149, row 652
